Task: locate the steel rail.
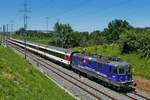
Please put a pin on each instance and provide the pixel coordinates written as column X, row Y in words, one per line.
column 39, row 61
column 89, row 85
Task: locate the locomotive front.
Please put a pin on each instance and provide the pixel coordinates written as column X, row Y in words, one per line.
column 121, row 74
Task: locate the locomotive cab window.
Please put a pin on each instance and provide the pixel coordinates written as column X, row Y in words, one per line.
column 115, row 71
column 121, row 70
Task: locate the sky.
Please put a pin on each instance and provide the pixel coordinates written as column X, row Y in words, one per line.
column 82, row 15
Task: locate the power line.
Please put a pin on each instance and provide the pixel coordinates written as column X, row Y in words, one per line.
column 25, row 11
column 12, row 26
column 47, row 23
column 7, row 28
column 25, row 17
column 4, row 30
column 0, row 29
column 1, row 34
column 6, row 34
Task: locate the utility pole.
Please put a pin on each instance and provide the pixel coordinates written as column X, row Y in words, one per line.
column 7, row 34
column 7, row 30
column 12, row 27
column 25, row 27
column 25, row 11
column 4, row 30
column 62, row 38
column 1, row 34
column 47, row 24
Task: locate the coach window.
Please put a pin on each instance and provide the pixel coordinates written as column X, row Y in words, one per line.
column 121, row 71
column 47, row 51
column 61, row 55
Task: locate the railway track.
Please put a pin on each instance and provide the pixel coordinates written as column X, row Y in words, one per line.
column 136, row 96
column 49, row 67
column 135, row 93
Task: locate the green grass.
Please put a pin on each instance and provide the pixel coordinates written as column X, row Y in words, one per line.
column 34, row 39
column 20, row 81
column 42, row 41
column 140, row 66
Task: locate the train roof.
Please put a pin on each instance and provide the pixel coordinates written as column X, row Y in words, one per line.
column 47, row 46
column 114, row 61
column 53, row 47
column 118, row 63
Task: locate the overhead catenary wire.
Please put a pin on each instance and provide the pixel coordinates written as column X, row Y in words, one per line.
column 1, row 34
column 47, row 18
column 25, row 21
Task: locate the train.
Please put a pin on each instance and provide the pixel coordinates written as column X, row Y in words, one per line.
column 111, row 70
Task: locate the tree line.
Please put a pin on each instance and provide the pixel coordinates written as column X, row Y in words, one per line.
column 120, row 32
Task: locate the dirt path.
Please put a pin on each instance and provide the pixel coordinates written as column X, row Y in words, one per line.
column 142, row 84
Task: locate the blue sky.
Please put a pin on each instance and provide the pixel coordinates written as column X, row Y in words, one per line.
column 83, row 15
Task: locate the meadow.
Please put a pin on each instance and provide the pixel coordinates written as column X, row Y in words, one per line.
column 20, row 81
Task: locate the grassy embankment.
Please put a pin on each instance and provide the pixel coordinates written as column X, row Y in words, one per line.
column 140, row 66
column 43, row 41
column 20, row 81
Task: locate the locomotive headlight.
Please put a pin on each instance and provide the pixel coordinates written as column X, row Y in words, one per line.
column 114, row 77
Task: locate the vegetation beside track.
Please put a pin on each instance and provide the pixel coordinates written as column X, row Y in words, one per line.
column 126, row 41
column 140, row 66
column 34, row 39
column 20, row 81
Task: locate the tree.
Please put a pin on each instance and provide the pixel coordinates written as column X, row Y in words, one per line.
column 20, row 31
column 85, row 37
column 128, row 41
column 72, row 39
column 144, row 43
column 63, row 33
column 115, row 29
column 96, row 38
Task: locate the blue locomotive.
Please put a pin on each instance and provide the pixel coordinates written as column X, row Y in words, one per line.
column 111, row 70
